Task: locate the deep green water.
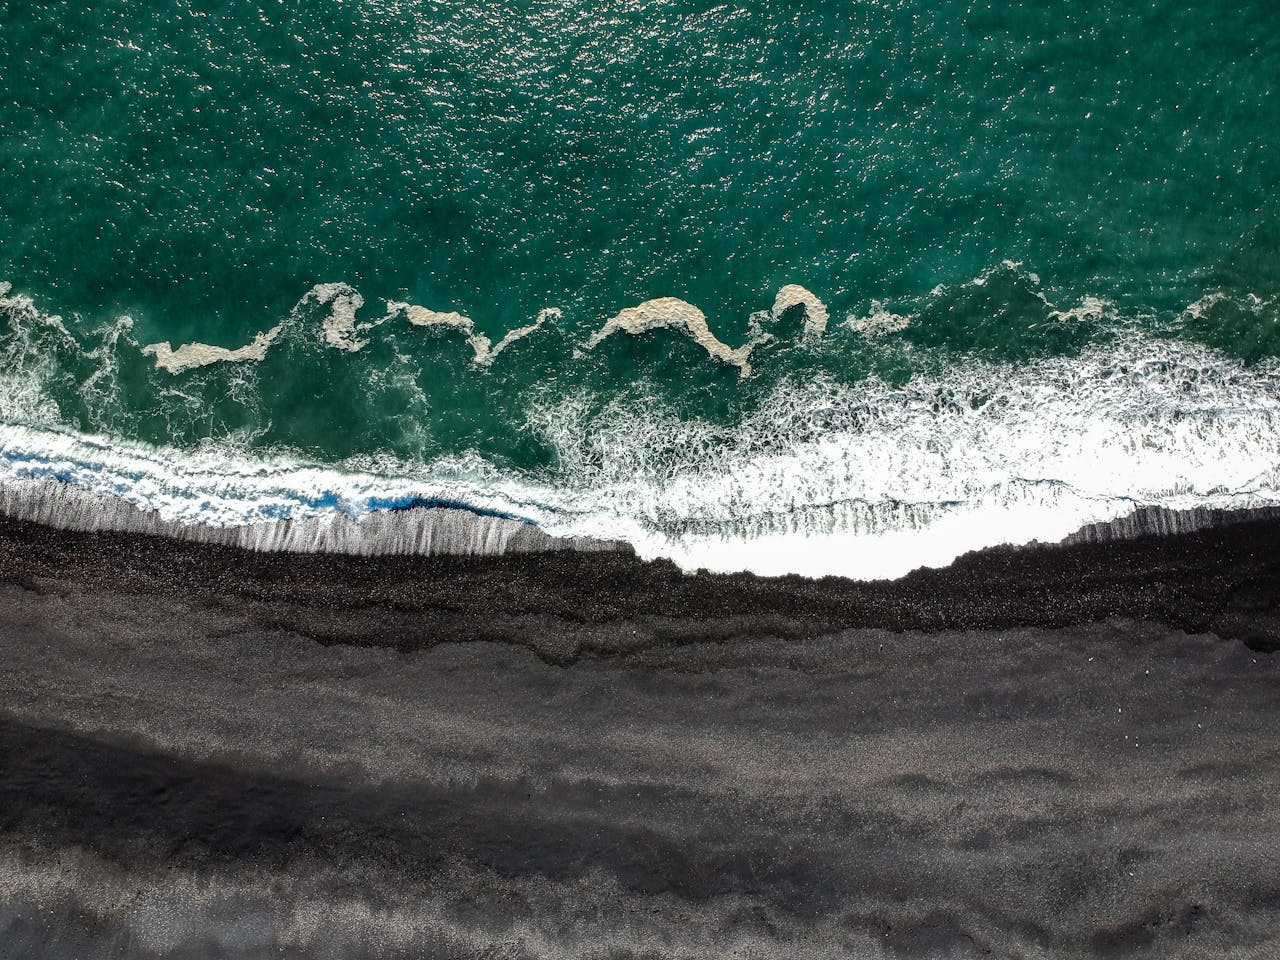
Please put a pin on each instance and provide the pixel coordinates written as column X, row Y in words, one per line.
column 199, row 166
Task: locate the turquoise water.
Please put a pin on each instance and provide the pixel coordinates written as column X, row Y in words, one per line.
column 1014, row 183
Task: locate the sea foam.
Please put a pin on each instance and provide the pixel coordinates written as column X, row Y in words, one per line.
column 673, row 313
column 865, row 480
column 188, row 356
column 484, row 349
column 341, row 330
column 873, row 479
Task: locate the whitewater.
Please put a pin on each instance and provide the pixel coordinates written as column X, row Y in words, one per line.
column 869, row 479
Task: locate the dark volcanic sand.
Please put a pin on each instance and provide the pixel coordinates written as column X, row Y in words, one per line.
column 1055, row 753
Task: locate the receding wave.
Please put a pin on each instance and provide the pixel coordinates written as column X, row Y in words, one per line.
column 869, row 479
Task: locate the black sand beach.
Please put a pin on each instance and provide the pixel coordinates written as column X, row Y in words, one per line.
column 1054, row 752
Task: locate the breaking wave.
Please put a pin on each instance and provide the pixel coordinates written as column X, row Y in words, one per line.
column 869, row 479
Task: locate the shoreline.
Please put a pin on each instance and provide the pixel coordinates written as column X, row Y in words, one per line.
column 1222, row 574
column 410, row 531
column 476, row 524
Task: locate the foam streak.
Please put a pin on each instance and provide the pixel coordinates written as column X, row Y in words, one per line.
column 484, row 350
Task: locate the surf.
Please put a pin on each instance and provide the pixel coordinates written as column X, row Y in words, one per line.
column 867, row 480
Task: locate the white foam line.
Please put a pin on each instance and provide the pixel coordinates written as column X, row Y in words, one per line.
column 519, row 333
column 342, row 331
column 1089, row 308
column 1248, row 303
column 881, row 321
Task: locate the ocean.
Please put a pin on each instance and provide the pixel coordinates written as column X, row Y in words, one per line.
column 783, row 290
